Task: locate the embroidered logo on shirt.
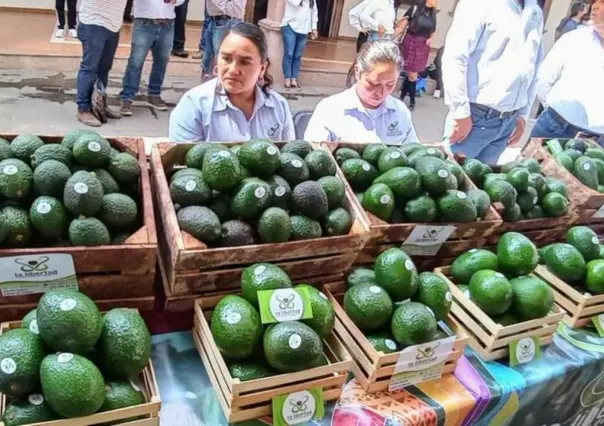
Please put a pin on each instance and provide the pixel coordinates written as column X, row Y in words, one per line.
column 273, row 130
column 393, row 129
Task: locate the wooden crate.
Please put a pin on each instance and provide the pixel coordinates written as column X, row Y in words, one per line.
column 252, row 399
column 580, row 307
column 122, row 272
column 491, row 340
column 371, row 368
column 193, row 268
column 150, row 409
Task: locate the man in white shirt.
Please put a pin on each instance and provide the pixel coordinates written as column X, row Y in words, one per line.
column 99, row 32
column 379, row 15
column 571, row 82
column 153, row 31
column 490, row 62
column 354, row 17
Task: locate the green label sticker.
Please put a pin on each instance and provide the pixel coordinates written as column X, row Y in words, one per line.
column 599, row 324
column 284, row 304
column 525, row 350
column 298, row 407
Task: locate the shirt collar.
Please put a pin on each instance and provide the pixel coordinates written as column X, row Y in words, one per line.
column 222, row 101
column 352, row 99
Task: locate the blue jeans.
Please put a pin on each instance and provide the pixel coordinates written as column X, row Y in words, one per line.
column 489, row 135
column 374, row 35
column 293, row 47
column 98, row 46
column 208, row 46
column 153, row 36
column 547, row 126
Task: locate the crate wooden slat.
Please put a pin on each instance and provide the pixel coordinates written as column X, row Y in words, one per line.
column 192, row 267
column 580, row 307
column 248, row 400
column 150, row 409
column 491, row 340
column 371, row 368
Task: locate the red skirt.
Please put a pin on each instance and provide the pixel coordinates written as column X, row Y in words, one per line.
column 415, row 53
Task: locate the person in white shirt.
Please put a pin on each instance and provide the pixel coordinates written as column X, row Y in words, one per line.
column 379, row 17
column 366, row 112
column 300, row 19
column 354, row 18
column 571, row 82
column 153, row 31
column 490, row 63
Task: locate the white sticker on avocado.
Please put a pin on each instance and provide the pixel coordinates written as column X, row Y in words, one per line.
column 431, row 151
column 409, row 265
column 8, row 366
column 64, row 357
column 33, row 327
column 43, row 207
column 294, row 341
column 499, row 275
column 443, row 173
column 385, row 199
column 390, row 344
column 68, row 304
column 595, row 240
column 280, row 191
column 395, row 155
column 587, row 294
column 535, row 200
column 322, row 295
column 233, row 318
column 10, row 170
column 366, row 167
column 224, row 154
column 473, row 250
column 94, row 146
column 587, row 166
column 448, row 296
column 260, row 192
column 461, row 195
column 190, row 185
column 272, row 150
column 296, row 163
column 431, row 311
column 466, row 293
column 135, row 386
column 259, row 270
column 81, row 188
column 375, row 289
column 35, row 399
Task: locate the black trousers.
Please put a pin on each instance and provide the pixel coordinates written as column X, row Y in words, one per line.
column 71, row 13
column 179, row 26
column 361, row 39
column 128, row 10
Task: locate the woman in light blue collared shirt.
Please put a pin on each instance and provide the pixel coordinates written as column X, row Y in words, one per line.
column 239, row 104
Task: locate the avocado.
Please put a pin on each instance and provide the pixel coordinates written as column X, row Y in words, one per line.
column 309, row 199
column 73, row 386
column 368, row 306
column 50, row 178
column 519, row 178
column 220, row 203
column 555, row 204
column 281, row 192
column 236, row 233
column 323, row 314
column 383, row 342
column 51, row 151
column 221, row 169
column 434, row 292
column 5, row 151
column 88, row 231
column 422, row 209
column 360, row 276
column 187, row 171
column 412, row 158
column 83, row 194
column 576, row 144
column 512, row 214
column 251, row 198
column 372, row 153
column 30, row 322
column 404, row 182
column 506, row 319
column 249, row 369
column 125, row 343
column 456, row 170
column 299, row 147
column 516, row 254
column 536, row 213
column 538, row 182
column 305, row 228
column 595, row 153
column 336, row 222
column 502, row 192
column 274, row 226
column 33, row 409
column 118, row 211
column 390, row 158
column 260, row 157
column 481, row 201
column 21, row 352
column 491, row 291
column 565, row 161
column 119, row 238
column 334, row 189
column 455, row 206
column 92, row 151
column 17, row 226
column 413, row 323
column 379, row 200
column 435, row 175
column 16, row 179
column 49, row 217
column 359, row 173
column 320, row 163
column 200, row 222
column 595, row 276
column 23, row 147
column 471, row 262
column 190, row 191
column 396, row 273
column 262, row 276
column 489, row 177
column 476, row 170
column 108, row 182
column 124, row 168
column 293, row 169
column 121, row 394
column 195, row 154
column 531, row 164
column 343, row 154
column 533, row 298
column 565, row 261
column 585, row 240
column 292, row 346
column 585, row 170
column 527, row 199
column 600, row 168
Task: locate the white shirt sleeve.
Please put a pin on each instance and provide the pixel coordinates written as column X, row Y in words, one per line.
column 551, row 70
column 532, row 90
column 463, row 36
column 366, row 15
column 354, row 17
column 314, row 16
column 316, row 130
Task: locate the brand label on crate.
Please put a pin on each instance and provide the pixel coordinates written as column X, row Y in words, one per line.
column 298, row 407
column 284, row 304
column 421, row 363
column 525, row 350
column 426, row 240
column 599, row 324
column 38, row 273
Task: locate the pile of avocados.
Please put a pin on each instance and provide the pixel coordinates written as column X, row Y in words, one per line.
column 67, row 360
column 521, row 188
column 80, row 192
column 585, row 160
column 254, row 351
column 394, row 305
column 255, row 193
column 578, row 262
column 412, row 183
column 502, row 284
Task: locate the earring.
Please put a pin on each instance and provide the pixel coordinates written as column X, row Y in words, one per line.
column 215, row 71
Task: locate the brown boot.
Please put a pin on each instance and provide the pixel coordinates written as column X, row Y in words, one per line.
column 111, row 113
column 155, row 101
column 197, row 55
column 87, row 118
column 126, row 108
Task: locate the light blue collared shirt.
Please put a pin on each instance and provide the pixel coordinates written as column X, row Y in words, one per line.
column 492, row 55
column 205, row 113
column 342, row 117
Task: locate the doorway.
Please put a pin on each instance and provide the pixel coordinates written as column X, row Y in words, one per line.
column 325, row 9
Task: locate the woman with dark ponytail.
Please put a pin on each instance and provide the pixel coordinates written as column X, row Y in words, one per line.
column 238, row 104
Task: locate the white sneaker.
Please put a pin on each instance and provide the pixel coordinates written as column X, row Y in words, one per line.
column 60, row 33
column 73, row 33
column 437, row 94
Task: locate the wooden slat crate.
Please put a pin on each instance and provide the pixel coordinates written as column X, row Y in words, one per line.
column 491, row 340
column 105, row 273
column 252, row 399
column 371, row 368
column 193, row 268
column 580, row 307
column 149, row 410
